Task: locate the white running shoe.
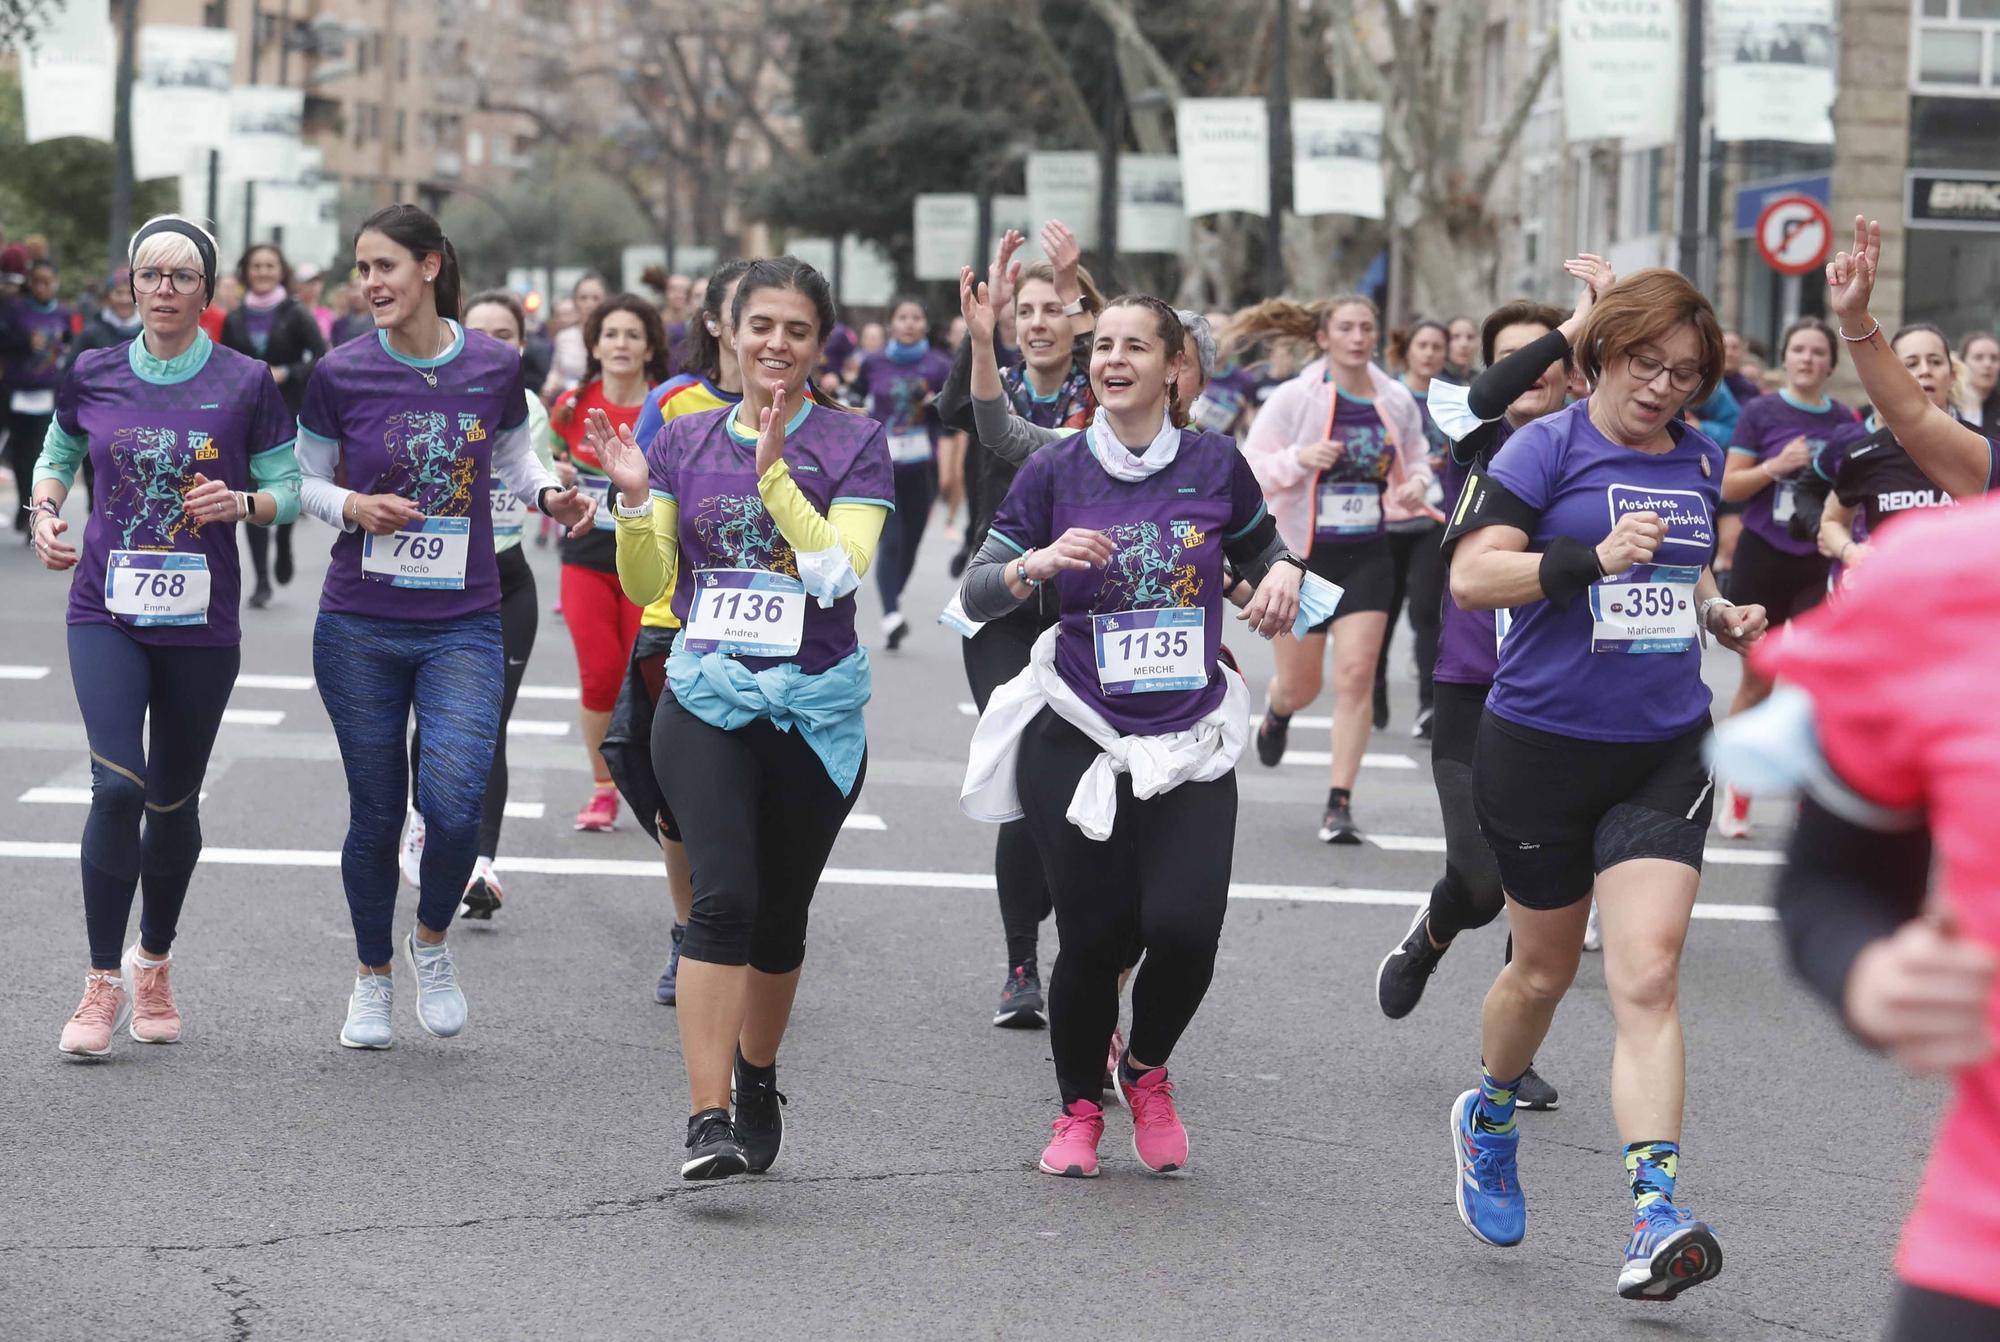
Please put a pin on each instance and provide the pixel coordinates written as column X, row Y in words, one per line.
column 1732, row 818
column 411, row 856
column 440, row 1005
column 1593, row 939
column 368, row 1013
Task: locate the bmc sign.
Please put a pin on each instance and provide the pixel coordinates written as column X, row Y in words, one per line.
column 1935, row 198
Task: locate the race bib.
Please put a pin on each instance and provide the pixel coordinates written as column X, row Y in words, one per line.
column 431, row 555
column 510, row 516
column 1348, row 510
column 598, row 487
column 1146, row 651
column 39, row 402
column 149, row 588
column 1647, row 608
column 1216, row 410
column 1784, row 501
column 910, row 446
column 744, row 612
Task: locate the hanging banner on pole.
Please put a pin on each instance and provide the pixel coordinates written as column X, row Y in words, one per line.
column 947, row 234
column 180, row 96
column 1151, row 214
column 1621, row 70
column 867, row 275
column 1065, row 185
column 1225, row 155
column 1337, row 158
column 1016, row 213
column 1774, row 71
column 265, row 123
column 68, row 75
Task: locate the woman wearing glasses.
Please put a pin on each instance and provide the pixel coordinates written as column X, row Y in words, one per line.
column 1588, row 777
column 188, row 439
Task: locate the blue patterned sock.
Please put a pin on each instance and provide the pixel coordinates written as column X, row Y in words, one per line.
column 1494, row 1111
column 1652, row 1167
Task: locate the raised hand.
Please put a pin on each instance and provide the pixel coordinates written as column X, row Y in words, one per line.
column 619, row 453
column 1065, row 255
column 1594, row 272
column 771, row 429
column 1850, row 276
column 976, row 306
column 1003, row 278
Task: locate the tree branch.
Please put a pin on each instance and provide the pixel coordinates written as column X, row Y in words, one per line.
column 1517, row 117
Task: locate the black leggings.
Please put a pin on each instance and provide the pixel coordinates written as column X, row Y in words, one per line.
column 1928, row 1316
column 1469, row 893
column 994, row 656
column 760, row 816
column 1159, row 884
column 1420, row 570
column 259, row 541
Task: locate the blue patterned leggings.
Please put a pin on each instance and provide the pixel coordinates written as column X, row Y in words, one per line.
column 372, row 672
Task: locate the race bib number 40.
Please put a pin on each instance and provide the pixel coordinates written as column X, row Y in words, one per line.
column 743, row 612
column 1348, row 510
column 1146, row 651
column 147, row 588
column 1647, row 608
column 431, row 555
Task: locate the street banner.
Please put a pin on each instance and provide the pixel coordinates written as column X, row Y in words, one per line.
column 1016, row 213
column 1774, row 71
column 1621, row 70
column 265, row 122
column 1065, row 185
column 68, row 73
column 180, row 96
column 947, row 234
column 1337, row 158
column 1225, row 155
column 1151, row 214
column 867, row 274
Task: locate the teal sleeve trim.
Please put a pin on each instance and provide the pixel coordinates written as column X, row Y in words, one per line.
column 663, row 494
column 275, row 471
column 1245, row 529
column 856, row 498
column 1746, row 451
column 1007, row 541
column 62, row 452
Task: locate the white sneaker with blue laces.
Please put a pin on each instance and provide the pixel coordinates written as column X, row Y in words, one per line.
column 440, row 1005
column 368, row 1023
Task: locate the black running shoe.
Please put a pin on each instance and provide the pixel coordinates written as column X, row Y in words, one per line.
column 281, row 567
column 1405, row 972
column 713, row 1152
column 1533, row 1092
column 760, row 1127
column 482, row 899
column 1271, row 733
column 1381, row 705
column 1421, row 728
column 1021, row 1004
column 261, row 597
column 1337, row 826
column 895, row 629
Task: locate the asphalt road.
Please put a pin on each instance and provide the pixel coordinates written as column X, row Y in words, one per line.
column 259, row 1181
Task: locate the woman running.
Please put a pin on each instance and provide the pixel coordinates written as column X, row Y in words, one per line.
column 714, row 381
column 761, row 521
column 1595, row 526
column 570, row 354
column 1777, row 440
column 1462, row 350
column 189, row 440
column 1980, row 353
column 1413, row 533
column 273, row 326
column 898, row 385
column 1330, row 448
column 397, row 438
column 627, row 356
column 1132, row 520
column 35, row 329
column 1043, row 398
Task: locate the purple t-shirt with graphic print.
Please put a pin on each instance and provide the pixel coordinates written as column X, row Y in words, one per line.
column 899, row 394
column 397, row 434
column 707, row 466
column 1366, row 461
column 1762, row 430
column 1466, row 653
column 148, row 440
column 1168, row 530
column 1580, row 482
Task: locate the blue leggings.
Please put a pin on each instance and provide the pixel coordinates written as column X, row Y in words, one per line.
column 916, row 490
column 371, row 673
column 117, row 680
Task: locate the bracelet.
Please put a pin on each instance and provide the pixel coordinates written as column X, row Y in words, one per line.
column 38, row 506
column 1021, row 571
column 618, row 508
column 1289, row 558
column 244, row 499
column 1841, row 557
column 1865, row 335
column 542, row 499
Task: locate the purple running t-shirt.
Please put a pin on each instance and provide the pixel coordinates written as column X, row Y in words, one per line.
column 1762, row 430
column 148, row 439
column 1580, row 482
column 433, row 445
column 1169, row 530
column 707, row 466
column 899, row 399
column 1347, row 496
column 1466, row 652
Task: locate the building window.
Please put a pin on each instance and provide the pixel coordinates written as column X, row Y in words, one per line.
column 399, row 130
column 1955, row 48
column 1493, row 76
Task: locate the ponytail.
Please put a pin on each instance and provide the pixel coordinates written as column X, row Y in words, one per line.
column 447, row 286
column 1287, row 319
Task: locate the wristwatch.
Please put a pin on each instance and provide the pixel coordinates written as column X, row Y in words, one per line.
column 618, row 508
column 1074, row 308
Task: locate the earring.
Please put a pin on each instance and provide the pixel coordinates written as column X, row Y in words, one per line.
column 714, row 328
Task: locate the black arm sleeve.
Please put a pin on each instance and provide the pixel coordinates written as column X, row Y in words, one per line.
column 1500, row 385
column 1843, row 886
column 954, row 400
column 1255, row 550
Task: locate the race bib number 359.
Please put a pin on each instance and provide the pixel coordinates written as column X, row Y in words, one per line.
column 1147, row 651
column 1647, row 608
column 149, row 589
column 431, row 555
column 742, row 612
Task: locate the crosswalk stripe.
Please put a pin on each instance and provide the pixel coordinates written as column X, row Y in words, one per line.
column 524, row 810
column 559, row 693
column 862, row 820
column 536, row 727
column 1722, row 857
column 23, row 672
column 1322, row 758
column 251, row 680
column 878, row 877
column 253, row 717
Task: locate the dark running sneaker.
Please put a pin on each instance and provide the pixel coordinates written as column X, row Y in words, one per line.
column 1669, row 1251
column 1381, row 705
column 760, row 1127
column 1337, row 826
column 1021, row 1004
column 1404, row 973
column 1271, row 733
column 482, row 894
column 1533, row 1092
column 668, row 988
column 712, row 1150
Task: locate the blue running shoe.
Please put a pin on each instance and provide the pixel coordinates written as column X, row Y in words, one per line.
column 669, row 983
column 1490, row 1201
column 1669, row 1251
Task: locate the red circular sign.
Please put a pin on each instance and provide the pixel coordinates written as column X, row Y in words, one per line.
column 1794, row 234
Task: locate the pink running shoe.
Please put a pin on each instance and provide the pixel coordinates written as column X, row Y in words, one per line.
column 1158, row 1138
column 600, row 814
column 1072, row 1153
column 105, row 1006
column 1733, row 818
column 155, row 1018
column 1111, row 1063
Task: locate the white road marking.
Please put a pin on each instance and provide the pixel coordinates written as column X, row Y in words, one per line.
column 253, row 717
column 253, row 681
column 1721, row 856
column 524, row 810
column 62, row 796
column 862, row 820
column 1323, row 758
column 968, row 710
column 23, row 672
column 909, row 880
column 559, row 693
column 536, row 727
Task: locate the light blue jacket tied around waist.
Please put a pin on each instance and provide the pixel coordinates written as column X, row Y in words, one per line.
column 825, row 709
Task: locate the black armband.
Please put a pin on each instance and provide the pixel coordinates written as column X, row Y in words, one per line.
column 1485, row 502
column 542, row 499
column 1568, row 567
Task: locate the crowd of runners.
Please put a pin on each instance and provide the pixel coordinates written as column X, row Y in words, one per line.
column 1570, row 504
